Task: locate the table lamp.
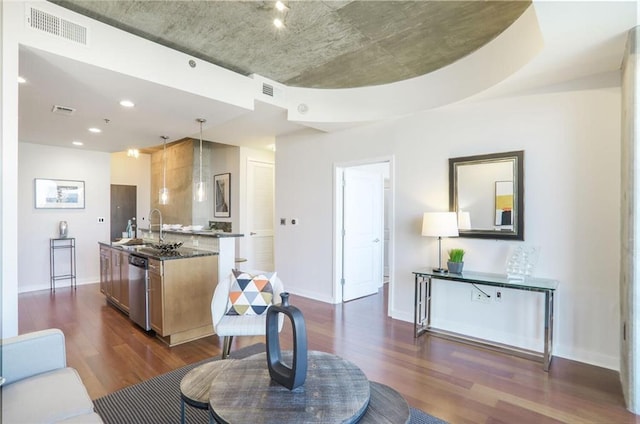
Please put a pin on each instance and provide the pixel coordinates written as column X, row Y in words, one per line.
column 440, row 224
column 464, row 220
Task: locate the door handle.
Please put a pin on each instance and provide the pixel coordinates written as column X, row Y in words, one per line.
column 377, row 240
column 252, row 233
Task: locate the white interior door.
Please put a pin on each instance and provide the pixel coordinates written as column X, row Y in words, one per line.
column 363, row 194
column 259, row 216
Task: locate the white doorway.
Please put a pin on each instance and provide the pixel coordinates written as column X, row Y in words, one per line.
column 260, row 213
column 363, row 233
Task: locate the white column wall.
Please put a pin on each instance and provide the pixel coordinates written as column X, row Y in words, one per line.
column 9, row 155
column 629, row 281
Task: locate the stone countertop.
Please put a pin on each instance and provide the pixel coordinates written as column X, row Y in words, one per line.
column 206, row 233
column 149, row 252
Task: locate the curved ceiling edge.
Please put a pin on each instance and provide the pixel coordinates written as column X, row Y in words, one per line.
column 507, row 53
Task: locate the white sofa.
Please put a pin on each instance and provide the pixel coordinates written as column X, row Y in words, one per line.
column 38, row 386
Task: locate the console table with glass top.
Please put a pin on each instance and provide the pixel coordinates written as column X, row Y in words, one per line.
column 423, row 299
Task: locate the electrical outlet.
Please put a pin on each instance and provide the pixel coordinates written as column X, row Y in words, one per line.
column 498, row 296
column 294, row 221
column 479, row 296
column 100, row 220
column 283, row 221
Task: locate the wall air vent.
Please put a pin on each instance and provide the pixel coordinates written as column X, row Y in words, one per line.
column 52, row 24
column 267, row 89
column 63, row 110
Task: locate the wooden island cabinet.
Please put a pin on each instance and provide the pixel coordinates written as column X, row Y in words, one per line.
column 180, row 289
column 180, row 297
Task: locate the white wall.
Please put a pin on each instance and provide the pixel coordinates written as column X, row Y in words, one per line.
column 225, row 159
column 126, row 170
column 572, row 185
column 37, row 226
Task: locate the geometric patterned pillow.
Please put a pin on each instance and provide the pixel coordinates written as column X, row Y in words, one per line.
column 250, row 294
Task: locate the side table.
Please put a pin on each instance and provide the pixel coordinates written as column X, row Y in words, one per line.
column 195, row 385
column 56, row 244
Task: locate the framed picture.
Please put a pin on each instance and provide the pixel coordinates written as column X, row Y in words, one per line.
column 504, row 204
column 59, row 194
column 222, row 194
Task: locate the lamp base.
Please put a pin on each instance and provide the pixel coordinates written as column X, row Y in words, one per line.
column 441, row 270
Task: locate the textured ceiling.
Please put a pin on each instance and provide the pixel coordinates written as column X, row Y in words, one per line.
column 325, row 44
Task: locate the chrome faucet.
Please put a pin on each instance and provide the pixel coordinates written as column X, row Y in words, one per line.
column 160, row 238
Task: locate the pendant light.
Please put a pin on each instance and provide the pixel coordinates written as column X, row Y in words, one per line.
column 163, row 194
column 200, row 187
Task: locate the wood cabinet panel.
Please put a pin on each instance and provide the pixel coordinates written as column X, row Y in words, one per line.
column 114, row 291
column 105, row 270
column 114, row 276
column 156, row 296
column 189, row 284
column 124, row 281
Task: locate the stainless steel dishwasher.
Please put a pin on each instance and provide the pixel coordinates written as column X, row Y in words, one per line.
column 139, row 291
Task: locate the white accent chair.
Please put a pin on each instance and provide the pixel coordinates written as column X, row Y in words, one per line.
column 228, row 326
column 39, row 387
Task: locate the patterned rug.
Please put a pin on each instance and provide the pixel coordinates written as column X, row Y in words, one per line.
column 157, row 401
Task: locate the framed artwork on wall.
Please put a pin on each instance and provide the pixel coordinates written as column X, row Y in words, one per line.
column 222, row 195
column 58, row 194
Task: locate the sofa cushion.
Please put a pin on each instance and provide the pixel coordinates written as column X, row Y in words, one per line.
column 49, row 397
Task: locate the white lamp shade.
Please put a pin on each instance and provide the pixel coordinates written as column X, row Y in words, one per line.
column 464, row 220
column 440, row 224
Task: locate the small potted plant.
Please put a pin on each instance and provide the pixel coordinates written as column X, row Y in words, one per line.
column 455, row 262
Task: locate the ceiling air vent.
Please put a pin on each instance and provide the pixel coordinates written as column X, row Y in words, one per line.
column 267, row 89
column 51, row 24
column 63, row 110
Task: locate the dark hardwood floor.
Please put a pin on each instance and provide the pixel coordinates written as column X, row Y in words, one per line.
column 453, row 381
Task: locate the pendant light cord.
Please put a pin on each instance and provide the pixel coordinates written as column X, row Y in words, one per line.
column 164, row 162
column 200, row 193
column 201, row 121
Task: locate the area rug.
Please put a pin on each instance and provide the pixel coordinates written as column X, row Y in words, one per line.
column 157, row 401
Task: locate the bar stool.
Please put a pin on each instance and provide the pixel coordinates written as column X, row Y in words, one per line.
column 239, row 261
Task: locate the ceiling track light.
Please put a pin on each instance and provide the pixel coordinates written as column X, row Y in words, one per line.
column 279, row 20
column 163, row 194
column 200, row 187
column 281, row 6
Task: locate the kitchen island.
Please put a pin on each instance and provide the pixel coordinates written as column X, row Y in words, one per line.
column 177, row 285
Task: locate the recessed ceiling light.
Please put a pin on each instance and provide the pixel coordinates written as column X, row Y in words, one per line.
column 77, row 143
column 281, row 6
column 95, row 130
column 21, row 80
column 278, row 23
column 127, row 103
